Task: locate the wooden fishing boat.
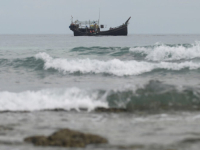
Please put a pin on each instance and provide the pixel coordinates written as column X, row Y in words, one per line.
column 92, row 28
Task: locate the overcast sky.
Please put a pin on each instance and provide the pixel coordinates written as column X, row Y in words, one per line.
column 54, row 16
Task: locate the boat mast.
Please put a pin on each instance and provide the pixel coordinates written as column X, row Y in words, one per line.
column 99, row 17
column 71, row 19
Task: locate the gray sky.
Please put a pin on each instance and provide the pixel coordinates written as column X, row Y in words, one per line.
column 53, row 16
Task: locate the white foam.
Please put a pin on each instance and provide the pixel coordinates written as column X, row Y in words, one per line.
column 72, row 98
column 114, row 66
column 165, row 52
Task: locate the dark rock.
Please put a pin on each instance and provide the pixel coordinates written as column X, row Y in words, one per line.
column 131, row 147
column 10, row 111
column 66, row 138
column 10, row 143
column 56, row 109
column 191, row 140
column 64, row 110
column 37, row 140
column 115, row 110
column 5, row 128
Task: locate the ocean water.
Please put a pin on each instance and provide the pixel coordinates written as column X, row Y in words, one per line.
column 154, row 77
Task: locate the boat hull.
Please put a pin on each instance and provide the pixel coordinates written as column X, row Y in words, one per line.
column 120, row 31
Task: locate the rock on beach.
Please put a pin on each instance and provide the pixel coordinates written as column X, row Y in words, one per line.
column 67, row 138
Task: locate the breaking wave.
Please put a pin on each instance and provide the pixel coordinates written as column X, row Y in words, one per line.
column 67, row 99
column 115, row 66
column 154, row 96
column 163, row 52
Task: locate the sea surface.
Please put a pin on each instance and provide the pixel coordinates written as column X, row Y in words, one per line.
column 50, row 82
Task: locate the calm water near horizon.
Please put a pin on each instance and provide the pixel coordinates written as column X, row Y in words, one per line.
column 154, row 77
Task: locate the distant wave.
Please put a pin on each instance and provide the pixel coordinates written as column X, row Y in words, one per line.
column 98, row 50
column 138, row 60
column 156, row 52
column 163, row 52
column 114, row 66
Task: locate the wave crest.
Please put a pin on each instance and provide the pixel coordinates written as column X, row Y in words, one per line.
column 160, row 52
column 73, row 98
column 154, row 96
column 115, row 66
